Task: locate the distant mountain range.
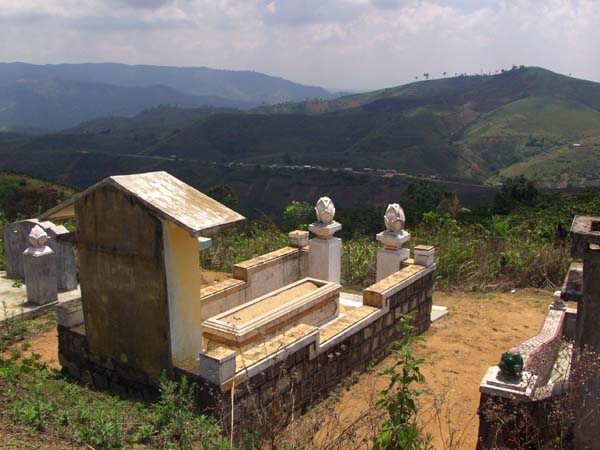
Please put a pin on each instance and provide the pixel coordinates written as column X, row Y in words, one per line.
column 473, row 129
column 53, row 97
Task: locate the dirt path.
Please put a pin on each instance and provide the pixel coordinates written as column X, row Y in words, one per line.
column 457, row 352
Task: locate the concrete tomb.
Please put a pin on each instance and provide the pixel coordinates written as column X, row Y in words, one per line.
column 66, row 265
column 142, row 312
column 16, row 241
column 39, row 267
column 553, row 367
column 308, row 300
column 138, row 248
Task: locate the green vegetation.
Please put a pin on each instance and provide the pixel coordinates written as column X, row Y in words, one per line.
column 223, row 193
column 400, row 430
column 525, row 247
column 234, row 246
column 22, row 196
column 41, row 400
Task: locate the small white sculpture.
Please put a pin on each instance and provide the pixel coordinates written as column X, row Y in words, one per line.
column 325, row 210
column 38, row 237
column 37, row 242
column 394, row 218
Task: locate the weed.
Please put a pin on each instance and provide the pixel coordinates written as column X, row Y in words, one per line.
column 13, row 328
column 400, row 429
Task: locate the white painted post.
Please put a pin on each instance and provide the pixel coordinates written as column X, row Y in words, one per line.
column 39, row 266
column 392, row 255
column 325, row 250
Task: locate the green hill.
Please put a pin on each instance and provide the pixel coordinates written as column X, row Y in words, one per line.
column 468, row 128
column 23, row 196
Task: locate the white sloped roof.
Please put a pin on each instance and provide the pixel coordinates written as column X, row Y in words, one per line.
column 167, row 196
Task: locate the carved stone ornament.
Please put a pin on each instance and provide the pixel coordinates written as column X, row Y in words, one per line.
column 38, row 237
column 325, row 210
column 394, row 218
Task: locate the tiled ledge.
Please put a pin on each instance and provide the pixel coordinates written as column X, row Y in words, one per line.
column 376, row 294
column 539, row 355
column 243, row 270
column 221, row 289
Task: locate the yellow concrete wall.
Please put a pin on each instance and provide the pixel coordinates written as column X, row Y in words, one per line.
column 183, row 286
column 123, row 285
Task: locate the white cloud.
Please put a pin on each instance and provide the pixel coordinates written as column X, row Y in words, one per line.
column 337, row 43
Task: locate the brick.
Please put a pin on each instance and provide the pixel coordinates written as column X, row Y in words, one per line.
column 389, row 319
column 100, row 381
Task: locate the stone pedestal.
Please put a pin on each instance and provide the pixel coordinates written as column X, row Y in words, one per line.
column 39, row 266
column 298, row 238
column 389, row 261
column 392, row 255
column 325, row 259
column 325, row 252
column 424, row 255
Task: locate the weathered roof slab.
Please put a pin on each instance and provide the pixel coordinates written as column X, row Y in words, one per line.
column 168, row 197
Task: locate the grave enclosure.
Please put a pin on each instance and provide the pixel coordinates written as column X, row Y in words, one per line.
column 560, row 377
column 281, row 331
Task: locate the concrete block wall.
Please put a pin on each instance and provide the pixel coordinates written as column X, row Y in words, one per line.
column 253, row 278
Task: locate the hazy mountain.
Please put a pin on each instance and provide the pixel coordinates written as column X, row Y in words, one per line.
column 51, row 97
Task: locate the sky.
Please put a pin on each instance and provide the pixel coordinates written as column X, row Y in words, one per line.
column 338, row 44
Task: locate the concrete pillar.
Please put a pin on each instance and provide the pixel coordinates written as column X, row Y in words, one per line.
column 392, row 255
column 298, row 238
column 325, row 259
column 424, row 255
column 585, row 379
column 325, row 250
column 39, row 264
column 588, row 312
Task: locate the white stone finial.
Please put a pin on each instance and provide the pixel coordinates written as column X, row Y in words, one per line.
column 37, row 242
column 325, row 210
column 38, row 237
column 394, row 218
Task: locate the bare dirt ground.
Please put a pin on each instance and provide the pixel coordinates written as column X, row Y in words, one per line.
column 457, row 352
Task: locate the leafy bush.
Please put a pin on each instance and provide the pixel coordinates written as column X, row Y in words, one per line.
column 234, row 246
column 358, row 262
column 297, row 216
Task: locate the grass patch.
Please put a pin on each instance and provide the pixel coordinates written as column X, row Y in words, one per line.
column 41, row 400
